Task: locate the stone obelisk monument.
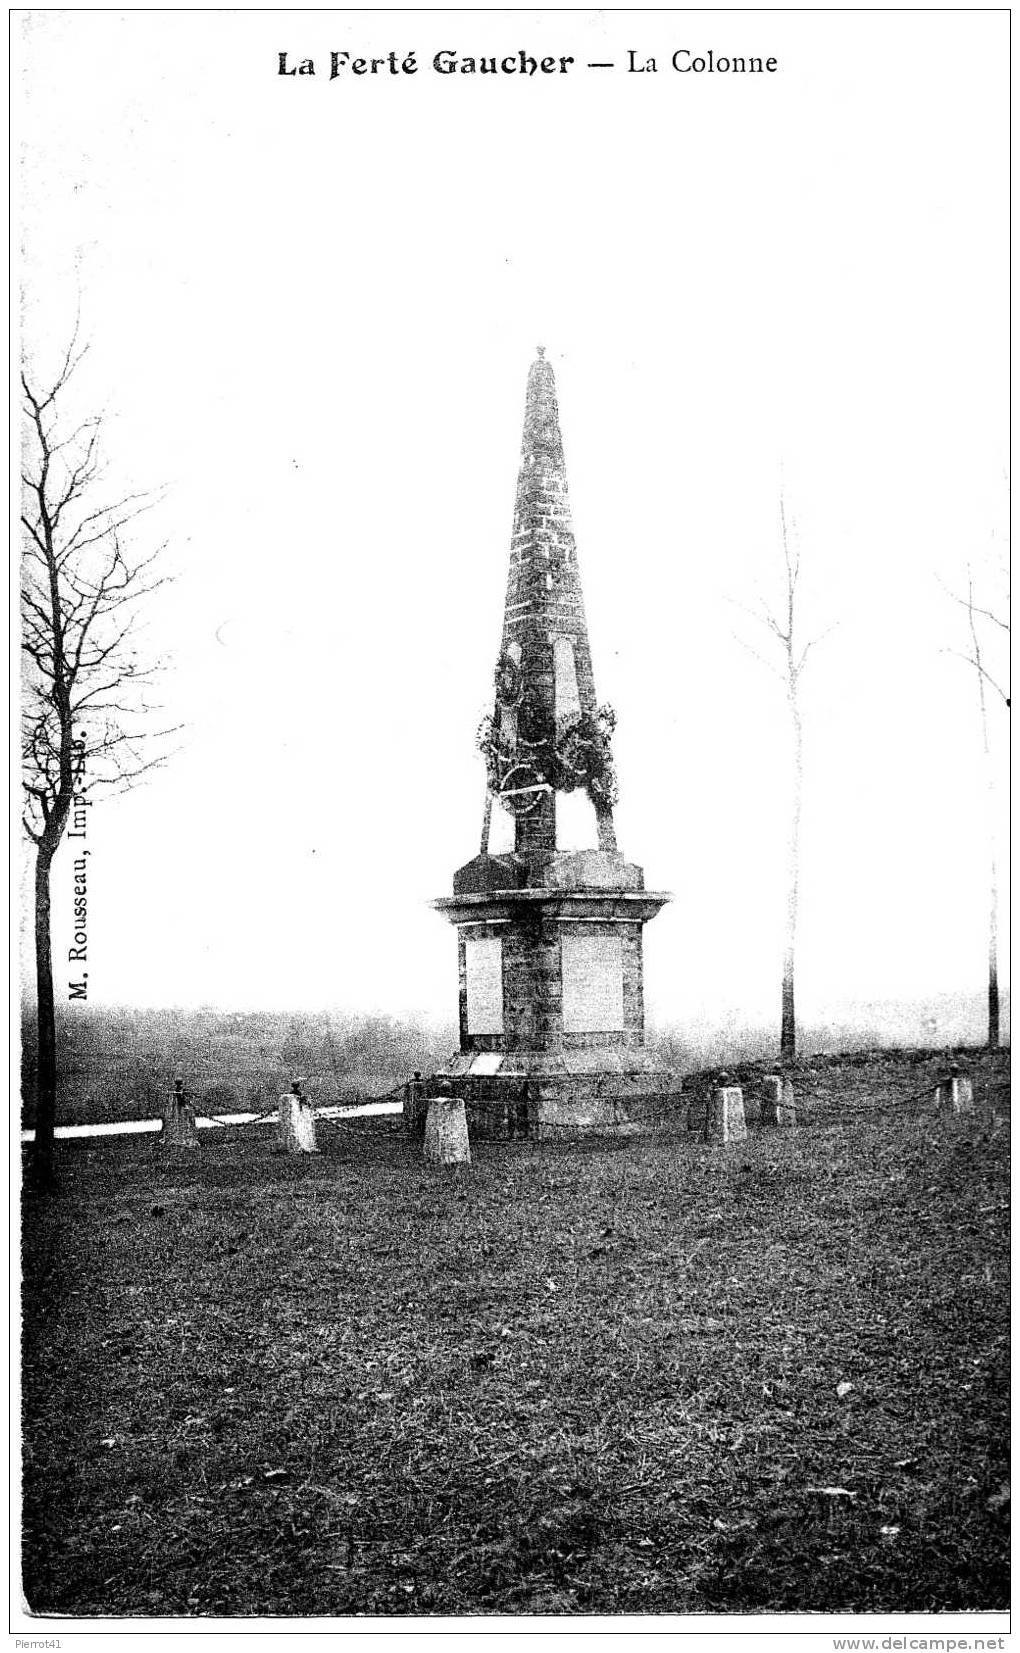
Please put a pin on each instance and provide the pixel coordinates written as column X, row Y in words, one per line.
column 550, row 940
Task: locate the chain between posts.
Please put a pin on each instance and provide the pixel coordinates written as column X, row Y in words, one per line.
column 498, row 1110
column 493, row 1109
column 318, row 1113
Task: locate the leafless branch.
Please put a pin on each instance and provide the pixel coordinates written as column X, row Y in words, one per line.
column 768, row 664
column 975, row 608
column 979, row 667
column 81, row 592
column 814, row 642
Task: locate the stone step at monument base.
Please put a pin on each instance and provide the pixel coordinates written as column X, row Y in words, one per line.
column 541, row 1095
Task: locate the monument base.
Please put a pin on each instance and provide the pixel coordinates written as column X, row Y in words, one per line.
column 552, row 996
column 538, row 1093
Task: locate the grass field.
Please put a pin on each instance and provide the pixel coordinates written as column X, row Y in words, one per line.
column 630, row 1376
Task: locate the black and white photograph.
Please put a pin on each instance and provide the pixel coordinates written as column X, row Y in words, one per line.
column 510, row 742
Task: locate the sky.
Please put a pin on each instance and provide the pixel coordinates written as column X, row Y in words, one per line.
column 311, row 307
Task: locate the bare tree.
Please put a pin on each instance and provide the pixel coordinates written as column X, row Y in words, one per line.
column 989, row 686
column 782, row 624
column 85, row 713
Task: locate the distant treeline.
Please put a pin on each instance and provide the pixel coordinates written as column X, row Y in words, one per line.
column 119, row 1063
column 941, row 1021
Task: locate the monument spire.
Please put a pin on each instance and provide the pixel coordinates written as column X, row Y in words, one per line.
column 547, row 733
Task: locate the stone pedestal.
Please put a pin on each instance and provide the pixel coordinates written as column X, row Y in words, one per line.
column 552, row 993
column 446, row 1132
column 955, row 1093
column 725, row 1120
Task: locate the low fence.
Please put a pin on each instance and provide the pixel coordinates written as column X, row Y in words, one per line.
column 824, row 1091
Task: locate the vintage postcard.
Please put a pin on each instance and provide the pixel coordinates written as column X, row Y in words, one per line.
column 514, row 995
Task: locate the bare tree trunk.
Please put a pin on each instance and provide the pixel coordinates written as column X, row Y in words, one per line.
column 993, row 887
column 788, row 1028
column 993, row 961
column 784, row 630
column 46, row 1074
column 993, row 870
column 80, row 670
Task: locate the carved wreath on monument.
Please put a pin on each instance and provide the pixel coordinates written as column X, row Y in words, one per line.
column 528, row 752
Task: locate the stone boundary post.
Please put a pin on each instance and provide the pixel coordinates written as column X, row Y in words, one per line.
column 771, row 1098
column 955, row 1091
column 724, row 1121
column 178, row 1132
column 446, row 1132
column 415, row 1105
column 787, row 1107
column 777, row 1104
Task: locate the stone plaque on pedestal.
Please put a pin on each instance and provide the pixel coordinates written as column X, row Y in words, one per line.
column 483, row 958
column 592, row 982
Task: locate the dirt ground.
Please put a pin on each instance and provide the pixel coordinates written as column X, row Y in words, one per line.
column 617, row 1375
